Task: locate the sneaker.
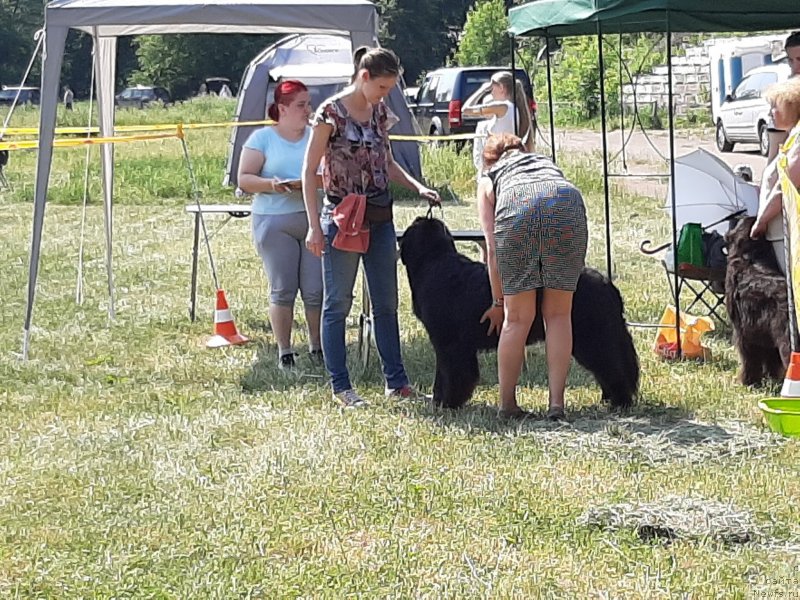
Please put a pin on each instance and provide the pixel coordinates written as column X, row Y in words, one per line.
column 317, row 357
column 286, row 362
column 408, row 392
column 349, row 399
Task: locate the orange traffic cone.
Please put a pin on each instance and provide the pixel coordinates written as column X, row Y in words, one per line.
column 225, row 332
column 791, row 383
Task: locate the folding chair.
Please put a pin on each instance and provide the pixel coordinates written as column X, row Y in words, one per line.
column 706, row 285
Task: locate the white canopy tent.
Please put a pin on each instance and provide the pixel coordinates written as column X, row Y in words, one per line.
column 324, row 63
column 105, row 20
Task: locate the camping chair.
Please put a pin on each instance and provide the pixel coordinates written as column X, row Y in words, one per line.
column 706, row 284
column 4, row 184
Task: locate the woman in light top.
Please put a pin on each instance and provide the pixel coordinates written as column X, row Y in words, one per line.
column 785, row 101
column 500, row 112
column 270, row 167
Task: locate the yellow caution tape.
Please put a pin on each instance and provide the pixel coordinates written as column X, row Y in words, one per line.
column 72, row 142
column 176, row 130
column 433, row 138
column 130, row 128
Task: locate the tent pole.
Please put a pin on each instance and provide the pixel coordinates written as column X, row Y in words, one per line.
column 787, row 253
column 513, row 41
column 671, row 113
column 550, row 100
column 604, row 125
column 105, row 73
column 622, row 105
column 54, row 41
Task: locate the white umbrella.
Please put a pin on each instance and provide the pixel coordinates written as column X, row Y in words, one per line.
column 707, row 191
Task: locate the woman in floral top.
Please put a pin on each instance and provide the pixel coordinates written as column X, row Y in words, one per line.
column 351, row 132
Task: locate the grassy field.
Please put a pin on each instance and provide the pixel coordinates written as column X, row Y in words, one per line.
column 136, row 463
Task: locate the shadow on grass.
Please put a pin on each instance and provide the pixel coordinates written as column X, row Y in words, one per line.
column 264, row 374
column 673, row 424
column 670, row 423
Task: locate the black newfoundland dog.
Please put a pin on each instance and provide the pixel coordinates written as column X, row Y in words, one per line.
column 450, row 293
column 757, row 302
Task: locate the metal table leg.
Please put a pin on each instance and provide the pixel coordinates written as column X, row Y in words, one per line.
column 193, row 291
column 364, row 323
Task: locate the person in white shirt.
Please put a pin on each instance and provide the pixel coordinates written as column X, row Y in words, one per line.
column 500, row 112
column 778, row 136
column 69, row 97
column 785, row 101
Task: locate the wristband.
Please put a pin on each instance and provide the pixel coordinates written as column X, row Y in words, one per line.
column 498, row 302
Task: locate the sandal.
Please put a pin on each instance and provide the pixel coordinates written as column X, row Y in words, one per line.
column 556, row 413
column 518, row 414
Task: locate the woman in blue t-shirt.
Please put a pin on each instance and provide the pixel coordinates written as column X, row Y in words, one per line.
column 270, row 167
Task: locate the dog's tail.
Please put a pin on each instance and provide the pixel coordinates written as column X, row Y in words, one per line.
column 627, row 353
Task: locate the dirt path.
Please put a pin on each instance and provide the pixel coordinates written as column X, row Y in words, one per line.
column 649, row 153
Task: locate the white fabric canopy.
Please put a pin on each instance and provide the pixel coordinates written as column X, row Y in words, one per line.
column 113, row 18
column 107, row 19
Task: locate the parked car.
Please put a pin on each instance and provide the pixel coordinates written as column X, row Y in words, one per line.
column 141, row 96
column 744, row 114
column 27, row 95
column 443, row 93
column 411, row 94
column 214, row 85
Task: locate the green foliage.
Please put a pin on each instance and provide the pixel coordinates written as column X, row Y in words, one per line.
column 576, row 77
column 19, row 20
column 484, row 40
column 181, row 62
column 420, row 31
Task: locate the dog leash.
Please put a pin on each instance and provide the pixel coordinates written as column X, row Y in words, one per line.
column 429, row 214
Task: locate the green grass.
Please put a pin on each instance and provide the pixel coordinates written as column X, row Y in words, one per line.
column 136, row 463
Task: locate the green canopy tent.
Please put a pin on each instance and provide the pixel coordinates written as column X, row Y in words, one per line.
column 581, row 17
column 564, row 18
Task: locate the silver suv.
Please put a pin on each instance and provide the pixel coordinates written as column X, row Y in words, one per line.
column 744, row 115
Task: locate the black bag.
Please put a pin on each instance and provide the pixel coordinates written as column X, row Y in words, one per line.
column 714, row 250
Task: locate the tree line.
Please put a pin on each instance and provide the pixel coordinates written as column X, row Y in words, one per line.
column 426, row 34
column 422, row 32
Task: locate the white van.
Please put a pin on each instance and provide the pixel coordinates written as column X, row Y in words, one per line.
column 744, row 115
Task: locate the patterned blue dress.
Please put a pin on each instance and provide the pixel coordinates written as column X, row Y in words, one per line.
column 539, row 224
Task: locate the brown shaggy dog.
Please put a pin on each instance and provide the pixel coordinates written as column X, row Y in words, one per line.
column 757, row 303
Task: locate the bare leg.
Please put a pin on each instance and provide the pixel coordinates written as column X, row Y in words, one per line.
column 557, row 314
column 482, row 246
column 520, row 310
column 281, row 319
column 312, row 319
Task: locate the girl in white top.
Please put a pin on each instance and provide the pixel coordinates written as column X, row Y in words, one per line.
column 501, row 113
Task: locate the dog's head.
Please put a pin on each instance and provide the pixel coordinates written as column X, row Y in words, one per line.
column 425, row 237
column 740, row 246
